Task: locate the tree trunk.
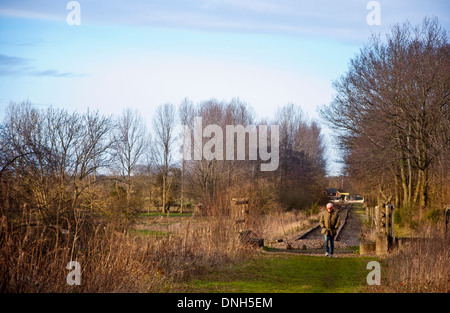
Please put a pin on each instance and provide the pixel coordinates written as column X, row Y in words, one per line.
column 404, row 181
column 164, row 194
column 423, row 198
column 182, row 187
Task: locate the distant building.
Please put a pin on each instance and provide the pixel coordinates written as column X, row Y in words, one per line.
column 332, row 192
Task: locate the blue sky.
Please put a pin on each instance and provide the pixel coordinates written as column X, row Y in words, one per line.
column 140, row 54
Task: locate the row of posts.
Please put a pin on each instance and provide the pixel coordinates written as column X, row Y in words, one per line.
column 381, row 218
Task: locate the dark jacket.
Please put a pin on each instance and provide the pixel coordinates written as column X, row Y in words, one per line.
column 329, row 222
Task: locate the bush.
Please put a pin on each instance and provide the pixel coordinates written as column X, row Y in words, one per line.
column 406, row 216
column 433, row 215
column 398, row 218
column 33, row 258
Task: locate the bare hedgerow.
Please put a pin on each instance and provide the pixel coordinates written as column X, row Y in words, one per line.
column 421, row 266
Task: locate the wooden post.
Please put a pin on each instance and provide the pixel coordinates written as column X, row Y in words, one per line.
column 447, row 218
column 390, row 215
column 381, row 239
column 376, row 218
column 385, row 229
column 239, row 212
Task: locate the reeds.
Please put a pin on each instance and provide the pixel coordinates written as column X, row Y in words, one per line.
column 33, row 257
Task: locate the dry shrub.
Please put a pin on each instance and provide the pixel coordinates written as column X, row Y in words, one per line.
column 33, row 258
column 422, row 265
column 212, row 244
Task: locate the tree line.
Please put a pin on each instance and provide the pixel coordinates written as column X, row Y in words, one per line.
column 56, row 164
column 392, row 120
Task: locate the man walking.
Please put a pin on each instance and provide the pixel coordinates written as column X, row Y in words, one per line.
column 329, row 222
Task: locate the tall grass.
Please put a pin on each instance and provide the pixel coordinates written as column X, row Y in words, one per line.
column 421, row 265
column 280, row 224
column 33, row 257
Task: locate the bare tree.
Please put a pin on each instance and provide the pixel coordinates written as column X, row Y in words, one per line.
column 302, row 166
column 49, row 158
column 393, row 104
column 186, row 113
column 130, row 142
column 164, row 123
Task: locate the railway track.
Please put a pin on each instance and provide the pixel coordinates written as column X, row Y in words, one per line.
column 312, row 241
column 315, row 232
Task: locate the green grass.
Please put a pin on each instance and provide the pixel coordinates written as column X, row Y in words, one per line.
column 359, row 211
column 287, row 274
column 402, row 231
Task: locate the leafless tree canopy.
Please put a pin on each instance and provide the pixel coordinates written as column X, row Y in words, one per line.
column 297, row 183
column 164, row 123
column 71, row 184
column 130, row 140
column 50, row 159
column 56, row 163
column 392, row 118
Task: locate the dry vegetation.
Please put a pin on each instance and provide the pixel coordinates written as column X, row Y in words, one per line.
column 71, row 184
column 113, row 259
column 418, row 266
column 281, row 224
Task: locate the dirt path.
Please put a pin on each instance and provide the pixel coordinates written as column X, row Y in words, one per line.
column 350, row 230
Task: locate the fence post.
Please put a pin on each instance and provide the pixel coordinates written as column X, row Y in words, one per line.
column 385, row 229
column 239, row 212
column 447, row 218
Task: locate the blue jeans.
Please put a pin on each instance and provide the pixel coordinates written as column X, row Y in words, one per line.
column 329, row 239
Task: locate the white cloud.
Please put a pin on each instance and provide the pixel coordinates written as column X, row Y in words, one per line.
column 30, row 14
column 330, row 18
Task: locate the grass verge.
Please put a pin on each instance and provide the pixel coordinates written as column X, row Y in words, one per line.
column 282, row 273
